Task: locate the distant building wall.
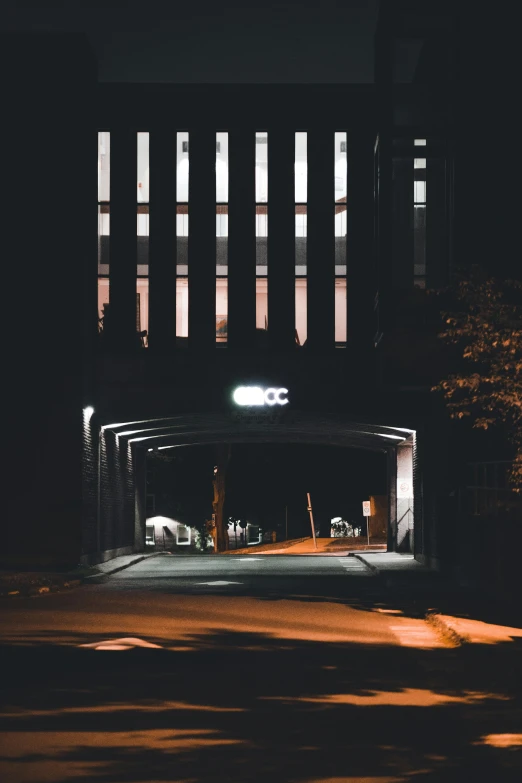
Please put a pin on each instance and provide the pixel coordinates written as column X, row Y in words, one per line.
column 379, row 517
column 170, row 534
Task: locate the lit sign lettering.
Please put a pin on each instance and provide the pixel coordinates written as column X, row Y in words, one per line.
column 255, row 395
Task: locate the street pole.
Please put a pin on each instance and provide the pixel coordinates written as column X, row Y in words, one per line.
column 286, row 522
column 368, row 529
column 311, row 518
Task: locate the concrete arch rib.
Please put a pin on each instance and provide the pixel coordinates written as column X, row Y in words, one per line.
column 296, row 426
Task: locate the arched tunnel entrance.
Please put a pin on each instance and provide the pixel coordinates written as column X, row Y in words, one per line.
column 119, row 523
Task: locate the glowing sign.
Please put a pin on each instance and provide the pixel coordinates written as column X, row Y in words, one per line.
column 255, row 395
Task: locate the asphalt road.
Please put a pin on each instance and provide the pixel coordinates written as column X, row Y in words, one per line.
column 290, row 669
column 176, row 572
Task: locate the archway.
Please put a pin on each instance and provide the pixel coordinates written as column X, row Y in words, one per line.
column 122, row 449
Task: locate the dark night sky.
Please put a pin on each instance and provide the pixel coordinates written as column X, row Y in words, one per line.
column 302, row 41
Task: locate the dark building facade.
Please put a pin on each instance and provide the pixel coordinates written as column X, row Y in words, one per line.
column 204, row 238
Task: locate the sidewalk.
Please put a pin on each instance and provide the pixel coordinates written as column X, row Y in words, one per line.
column 459, row 614
column 33, row 583
column 391, row 562
column 305, row 546
column 119, row 563
column 401, row 575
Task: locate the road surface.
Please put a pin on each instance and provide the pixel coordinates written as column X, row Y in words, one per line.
column 243, row 669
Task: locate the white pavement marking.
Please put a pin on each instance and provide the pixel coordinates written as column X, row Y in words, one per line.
column 125, row 643
column 353, row 564
column 247, row 559
column 219, row 583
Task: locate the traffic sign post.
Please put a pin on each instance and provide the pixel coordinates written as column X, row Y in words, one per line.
column 367, row 510
column 311, row 518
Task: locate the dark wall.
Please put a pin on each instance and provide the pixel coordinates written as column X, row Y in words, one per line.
column 182, row 258
column 256, row 106
column 90, row 485
column 49, row 211
column 117, row 502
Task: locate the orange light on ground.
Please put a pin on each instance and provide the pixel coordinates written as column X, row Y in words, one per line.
column 501, row 740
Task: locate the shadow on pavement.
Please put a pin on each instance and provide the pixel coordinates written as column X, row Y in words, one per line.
column 411, row 591
column 248, row 707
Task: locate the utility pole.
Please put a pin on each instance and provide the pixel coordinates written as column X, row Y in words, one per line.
column 311, row 518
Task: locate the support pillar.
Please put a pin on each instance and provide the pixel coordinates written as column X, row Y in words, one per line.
column 139, row 461
column 437, row 223
column 281, row 239
column 121, row 331
column 405, row 515
column 391, row 461
column 242, row 239
column 361, row 281
column 202, row 240
column 402, row 225
column 383, row 80
column 321, row 241
column 162, row 240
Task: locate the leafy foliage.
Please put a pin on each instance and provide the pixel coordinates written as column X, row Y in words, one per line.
column 486, row 326
column 342, row 528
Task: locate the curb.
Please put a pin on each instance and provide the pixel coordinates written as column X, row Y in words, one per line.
column 447, row 633
column 137, row 559
column 371, row 566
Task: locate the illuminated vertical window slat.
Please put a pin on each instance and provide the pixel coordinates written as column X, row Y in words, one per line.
column 182, row 232
column 261, row 229
column 340, row 206
column 104, row 172
column 301, row 229
column 419, row 218
column 142, row 228
column 221, row 237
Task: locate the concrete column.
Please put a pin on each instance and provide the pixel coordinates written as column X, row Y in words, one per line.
column 162, row 239
column 139, row 461
column 384, row 79
column 437, row 228
column 405, row 497
column 418, row 517
column 121, row 331
column 391, row 462
column 321, row 240
column 241, row 239
column 117, row 498
column 402, row 224
column 361, row 280
column 89, row 482
column 281, row 238
column 202, row 239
